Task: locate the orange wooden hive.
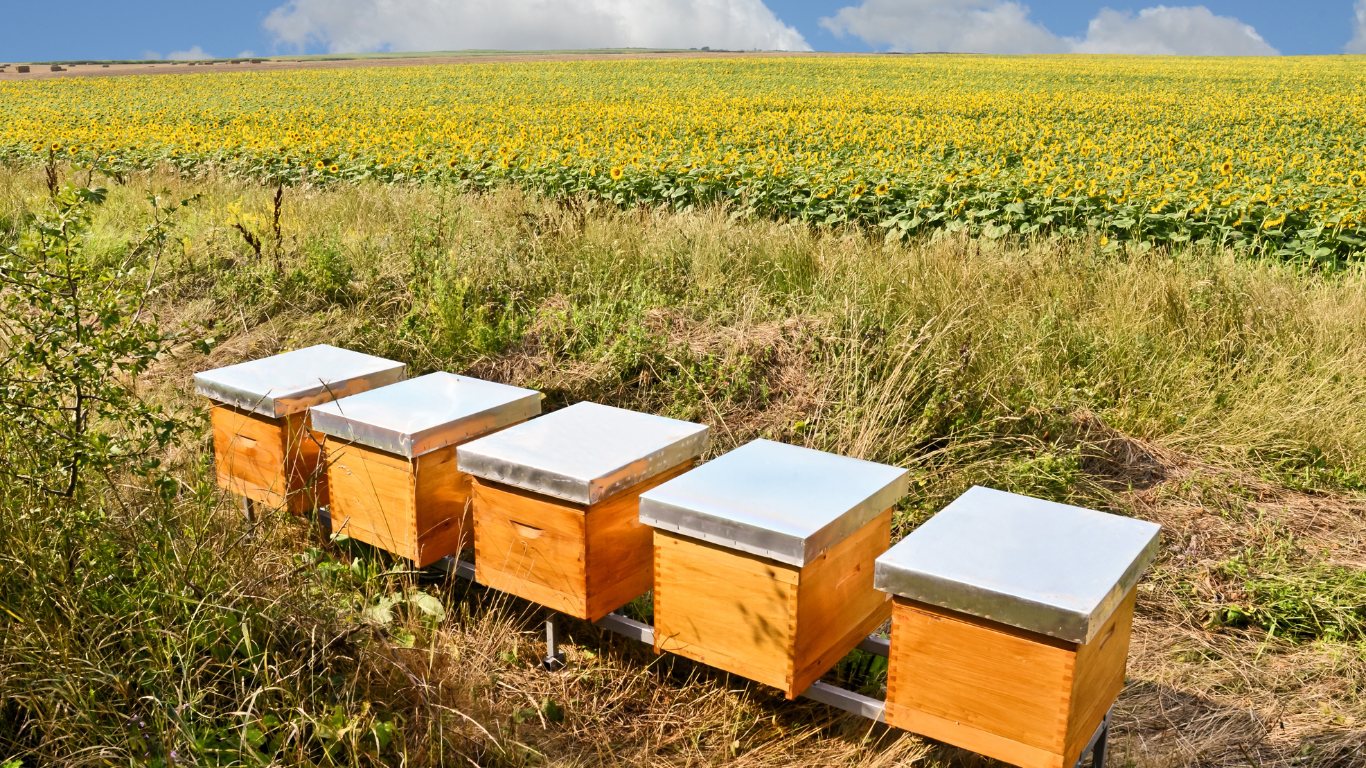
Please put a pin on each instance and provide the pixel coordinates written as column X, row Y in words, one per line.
column 556, row 504
column 764, row 560
column 264, row 447
column 1011, row 625
column 392, row 459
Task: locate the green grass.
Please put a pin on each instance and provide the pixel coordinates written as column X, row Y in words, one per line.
column 1046, row 367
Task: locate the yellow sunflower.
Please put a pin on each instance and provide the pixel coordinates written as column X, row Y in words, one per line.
column 616, row 173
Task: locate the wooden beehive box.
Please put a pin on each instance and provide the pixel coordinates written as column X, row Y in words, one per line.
column 556, row 504
column 1011, row 625
column 391, row 459
column 263, row 444
column 764, row 560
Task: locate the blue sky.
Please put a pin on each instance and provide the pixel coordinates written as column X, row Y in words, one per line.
column 76, row 29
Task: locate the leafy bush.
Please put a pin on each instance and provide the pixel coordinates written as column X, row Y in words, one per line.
column 132, row 620
column 74, row 337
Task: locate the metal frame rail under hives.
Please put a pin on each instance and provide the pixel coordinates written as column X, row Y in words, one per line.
column 831, row 695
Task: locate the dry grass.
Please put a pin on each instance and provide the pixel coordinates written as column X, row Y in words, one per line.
column 622, row 704
column 1223, row 399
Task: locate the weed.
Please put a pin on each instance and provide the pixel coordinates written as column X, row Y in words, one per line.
column 1317, row 602
column 327, row 273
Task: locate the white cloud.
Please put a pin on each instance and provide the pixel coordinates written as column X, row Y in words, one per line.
column 1358, row 42
column 428, row 25
column 151, row 56
column 194, row 54
column 247, row 54
column 978, row 26
column 1191, row 31
column 1004, row 26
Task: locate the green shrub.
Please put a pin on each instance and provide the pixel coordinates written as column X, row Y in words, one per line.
column 74, row 337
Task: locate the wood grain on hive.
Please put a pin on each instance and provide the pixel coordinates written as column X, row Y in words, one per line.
column 276, row 462
column 392, row 459
column 1011, row 626
column 764, row 560
column 264, row 446
column 556, row 504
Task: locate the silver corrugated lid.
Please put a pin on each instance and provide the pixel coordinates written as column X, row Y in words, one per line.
column 292, row 382
column 420, row 415
column 778, row 501
column 1037, row 565
column 583, row 453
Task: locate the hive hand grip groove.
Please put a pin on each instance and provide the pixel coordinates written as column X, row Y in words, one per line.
column 526, row 531
column 848, row 576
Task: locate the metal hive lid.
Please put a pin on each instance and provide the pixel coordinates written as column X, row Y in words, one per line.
column 583, row 453
column 1037, row 565
column 291, row 382
column 778, row 501
column 420, row 415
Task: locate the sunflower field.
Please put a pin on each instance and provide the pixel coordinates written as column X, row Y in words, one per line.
column 1267, row 156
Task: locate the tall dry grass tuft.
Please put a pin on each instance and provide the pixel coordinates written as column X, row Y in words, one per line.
column 1221, row 397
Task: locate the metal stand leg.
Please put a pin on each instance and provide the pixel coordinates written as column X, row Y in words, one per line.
column 1098, row 751
column 553, row 658
column 249, row 509
column 1096, row 746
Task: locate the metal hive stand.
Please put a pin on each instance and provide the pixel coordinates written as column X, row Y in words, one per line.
column 831, row 695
